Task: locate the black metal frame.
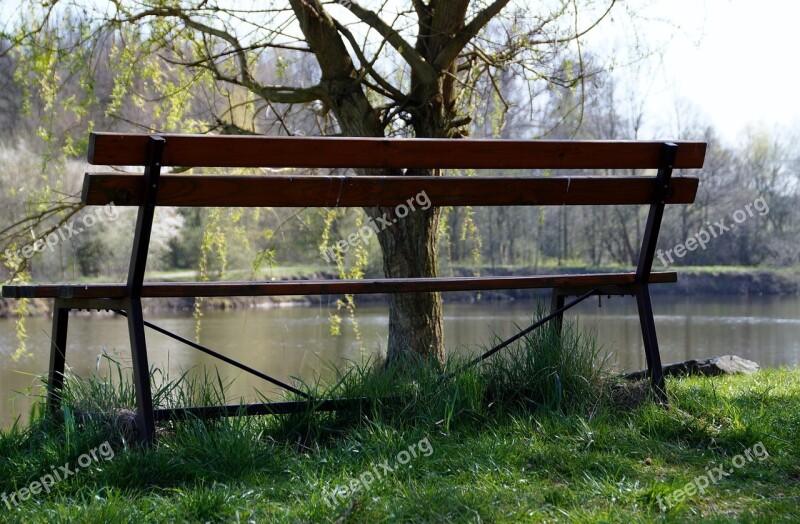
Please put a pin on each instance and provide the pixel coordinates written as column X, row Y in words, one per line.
column 641, row 288
column 131, row 304
column 131, row 307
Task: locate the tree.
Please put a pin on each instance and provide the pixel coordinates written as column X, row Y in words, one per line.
column 403, row 68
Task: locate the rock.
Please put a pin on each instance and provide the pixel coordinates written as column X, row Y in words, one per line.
column 727, row 365
column 724, row 365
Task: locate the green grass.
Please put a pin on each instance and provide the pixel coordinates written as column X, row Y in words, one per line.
column 177, row 275
column 531, row 437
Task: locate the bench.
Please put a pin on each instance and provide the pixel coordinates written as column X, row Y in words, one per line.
column 151, row 188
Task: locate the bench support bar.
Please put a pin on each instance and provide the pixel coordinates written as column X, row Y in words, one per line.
column 266, row 408
column 221, row 357
column 651, row 343
column 644, row 267
column 58, row 347
column 141, row 370
column 132, row 310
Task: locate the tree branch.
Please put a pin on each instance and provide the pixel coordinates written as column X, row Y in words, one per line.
column 577, row 34
column 422, row 68
column 394, row 93
column 342, row 88
column 454, row 47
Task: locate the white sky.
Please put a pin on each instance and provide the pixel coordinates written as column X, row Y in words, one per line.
column 733, row 60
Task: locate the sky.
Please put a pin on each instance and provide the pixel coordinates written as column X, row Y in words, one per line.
column 733, row 61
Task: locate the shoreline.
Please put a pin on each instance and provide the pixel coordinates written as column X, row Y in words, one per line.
column 716, row 281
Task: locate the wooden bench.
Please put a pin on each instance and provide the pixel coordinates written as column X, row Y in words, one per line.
column 152, row 188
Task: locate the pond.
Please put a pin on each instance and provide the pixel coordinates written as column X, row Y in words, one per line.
column 296, row 341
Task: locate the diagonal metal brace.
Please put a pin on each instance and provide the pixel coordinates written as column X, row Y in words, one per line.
column 524, row 332
column 222, row 357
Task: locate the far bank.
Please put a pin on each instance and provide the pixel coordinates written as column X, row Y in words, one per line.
column 692, row 281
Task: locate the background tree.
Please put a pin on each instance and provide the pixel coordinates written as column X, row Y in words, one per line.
column 414, row 69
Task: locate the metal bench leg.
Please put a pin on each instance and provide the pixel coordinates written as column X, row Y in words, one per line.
column 141, row 371
column 556, row 303
column 645, row 266
column 651, row 343
column 58, row 349
column 133, row 292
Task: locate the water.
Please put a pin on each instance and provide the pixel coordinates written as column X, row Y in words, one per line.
column 296, row 341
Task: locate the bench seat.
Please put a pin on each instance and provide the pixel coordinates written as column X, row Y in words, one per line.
column 332, row 287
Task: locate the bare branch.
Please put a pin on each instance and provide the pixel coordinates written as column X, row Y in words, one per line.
column 454, row 47
column 422, row 68
column 388, row 88
column 578, row 34
column 342, row 85
column 274, row 93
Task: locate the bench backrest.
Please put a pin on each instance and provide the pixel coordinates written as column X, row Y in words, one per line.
column 154, row 152
column 367, row 191
column 269, row 151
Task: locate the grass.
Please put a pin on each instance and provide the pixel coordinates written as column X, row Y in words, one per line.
column 177, row 275
column 281, row 271
column 542, row 434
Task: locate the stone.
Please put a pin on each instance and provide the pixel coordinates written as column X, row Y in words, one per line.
column 727, row 365
column 724, row 365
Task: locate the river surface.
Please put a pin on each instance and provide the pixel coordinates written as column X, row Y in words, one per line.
column 296, row 342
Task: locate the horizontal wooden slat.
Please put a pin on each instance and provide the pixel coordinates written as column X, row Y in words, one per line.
column 331, row 287
column 327, row 191
column 356, row 152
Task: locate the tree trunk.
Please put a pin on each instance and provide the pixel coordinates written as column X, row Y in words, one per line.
column 409, row 244
column 409, row 250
